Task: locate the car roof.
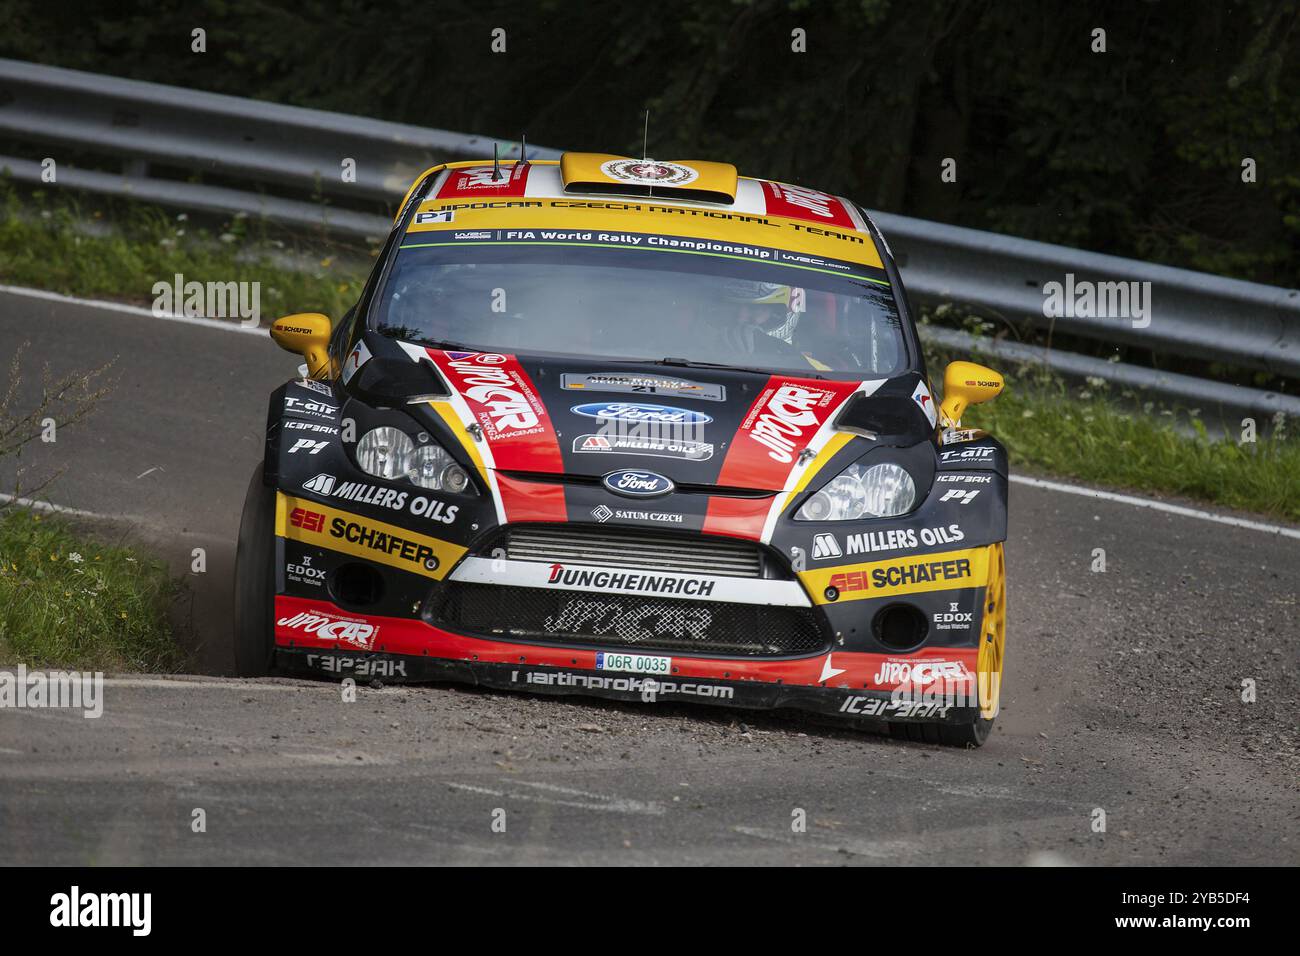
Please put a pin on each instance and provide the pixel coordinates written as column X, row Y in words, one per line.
column 693, row 198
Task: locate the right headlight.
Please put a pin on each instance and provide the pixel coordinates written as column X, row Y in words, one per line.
column 388, row 452
column 881, row 491
column 385, row 452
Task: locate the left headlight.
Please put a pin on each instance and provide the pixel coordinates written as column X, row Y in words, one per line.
column 881, row 491
column 388, row 452
column 433, row 468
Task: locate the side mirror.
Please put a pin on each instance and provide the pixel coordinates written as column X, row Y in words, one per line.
column 307, row 334
column 965, row 383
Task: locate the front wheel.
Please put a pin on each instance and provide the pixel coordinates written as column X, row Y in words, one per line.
column 255, row 581
column 993, row 643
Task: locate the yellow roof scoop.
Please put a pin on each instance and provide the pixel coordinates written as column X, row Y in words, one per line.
column 622, row 176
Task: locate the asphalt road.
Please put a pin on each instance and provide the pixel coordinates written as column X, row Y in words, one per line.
column 1122, row 695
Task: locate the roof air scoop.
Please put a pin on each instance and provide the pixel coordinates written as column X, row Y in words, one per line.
column 651, row 178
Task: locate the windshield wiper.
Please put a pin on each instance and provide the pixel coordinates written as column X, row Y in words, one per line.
column 441, row 346
column 693, row 363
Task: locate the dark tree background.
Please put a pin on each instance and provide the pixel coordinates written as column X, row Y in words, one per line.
column 1136, row 151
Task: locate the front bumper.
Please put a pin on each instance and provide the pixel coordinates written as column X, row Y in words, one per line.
column 932, row 686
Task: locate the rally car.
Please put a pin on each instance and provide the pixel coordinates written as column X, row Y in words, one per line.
column 638, row 429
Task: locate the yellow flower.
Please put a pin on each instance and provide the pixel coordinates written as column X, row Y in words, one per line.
column 122, row 615
column 54, row 557
column 325, row 263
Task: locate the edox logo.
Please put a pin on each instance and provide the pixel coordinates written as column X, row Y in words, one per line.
column 825, row 546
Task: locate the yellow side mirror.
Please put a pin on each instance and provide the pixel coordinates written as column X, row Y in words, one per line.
column 965, row 383
column 308, row 334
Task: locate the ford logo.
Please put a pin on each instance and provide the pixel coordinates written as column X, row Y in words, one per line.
column 632, row 412
column 637, row 484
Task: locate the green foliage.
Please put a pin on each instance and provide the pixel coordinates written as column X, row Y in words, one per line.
column 1136, row 151
column 69, row 601
column 1097, row 440
column 57, row 243
column 1123, row 441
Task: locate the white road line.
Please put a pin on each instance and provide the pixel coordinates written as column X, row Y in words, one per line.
column 592, row 801
column 1157, row 506
column 48, row 508
column 874, row 849
column 163, row 682
column 159, row 682
column 136, row 310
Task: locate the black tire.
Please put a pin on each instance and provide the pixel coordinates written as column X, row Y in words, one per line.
column 950, row 735
column 255, row 581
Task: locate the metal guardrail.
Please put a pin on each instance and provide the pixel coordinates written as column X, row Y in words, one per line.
column 284, row 163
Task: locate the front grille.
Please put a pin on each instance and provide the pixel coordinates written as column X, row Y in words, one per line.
column 645, row 623
column 632, row 548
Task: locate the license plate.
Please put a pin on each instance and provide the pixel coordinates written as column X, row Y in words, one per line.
column 638, row 663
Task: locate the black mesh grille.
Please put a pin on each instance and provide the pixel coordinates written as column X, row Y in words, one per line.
column 641, row 622
column 635, row 548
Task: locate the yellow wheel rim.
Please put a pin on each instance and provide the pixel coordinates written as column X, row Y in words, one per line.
column 993, row 638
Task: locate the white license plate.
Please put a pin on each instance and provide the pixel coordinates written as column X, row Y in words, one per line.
column 637, row 663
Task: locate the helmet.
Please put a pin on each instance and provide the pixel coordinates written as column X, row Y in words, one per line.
column 778, row 305
column 757, row 293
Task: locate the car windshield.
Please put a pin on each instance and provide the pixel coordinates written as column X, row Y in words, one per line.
column 642, row 305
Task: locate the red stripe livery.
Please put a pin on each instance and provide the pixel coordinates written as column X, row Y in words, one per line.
column 798, row 202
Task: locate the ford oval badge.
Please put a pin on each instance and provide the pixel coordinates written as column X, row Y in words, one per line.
column 641, row 413
column 637, row 484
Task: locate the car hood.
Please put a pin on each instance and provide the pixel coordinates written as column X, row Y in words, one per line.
column 717, row 427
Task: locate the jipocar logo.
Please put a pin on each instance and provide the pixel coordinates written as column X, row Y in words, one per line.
column 790, row 414
column 499, row 392
column 637, row 484
column 920, row 673
column 655, row 414
column 326, row 626
column 649, row 172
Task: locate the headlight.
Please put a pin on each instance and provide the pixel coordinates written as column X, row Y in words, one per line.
column 434, row 469
column 388, row 452
column 385, row 452
column 880, row 491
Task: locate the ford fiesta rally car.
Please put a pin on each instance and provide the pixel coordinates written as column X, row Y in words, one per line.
column 638, row 429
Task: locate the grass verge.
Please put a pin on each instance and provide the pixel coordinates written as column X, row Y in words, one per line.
column 67, row 601
column 59, row 244
column 1096, row 441
column 1089, row 433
